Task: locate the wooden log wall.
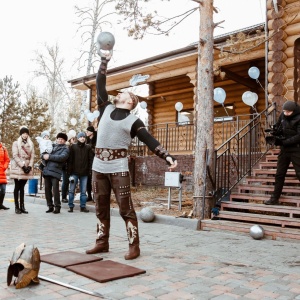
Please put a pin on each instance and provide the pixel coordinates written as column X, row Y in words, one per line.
column 284, row 29
column 164, row 106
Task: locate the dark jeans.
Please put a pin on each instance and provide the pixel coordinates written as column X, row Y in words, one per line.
column 52, row 188
column 65, row 185
column 284, row 159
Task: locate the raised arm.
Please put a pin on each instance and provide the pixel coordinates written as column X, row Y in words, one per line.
column 102, row 96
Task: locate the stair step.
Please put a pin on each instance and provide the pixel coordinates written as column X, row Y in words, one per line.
column 291, row 210
column 274, row 151
column 290, row 172
column 267, row 164
column 270, row 231
column 267, row 188
column 259, row 218
column 271, row 157
column 259, row 198
column 288, row 179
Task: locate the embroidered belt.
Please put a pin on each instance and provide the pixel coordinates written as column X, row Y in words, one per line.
column 110, row 154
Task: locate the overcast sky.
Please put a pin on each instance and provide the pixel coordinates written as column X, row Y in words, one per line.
column 27, row 24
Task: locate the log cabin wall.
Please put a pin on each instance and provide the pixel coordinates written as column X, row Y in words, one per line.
column 164, row 107
column 284, row 28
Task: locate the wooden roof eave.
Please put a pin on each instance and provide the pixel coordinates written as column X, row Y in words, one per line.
column 162, row 66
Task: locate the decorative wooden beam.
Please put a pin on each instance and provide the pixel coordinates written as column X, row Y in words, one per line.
column 239, row 79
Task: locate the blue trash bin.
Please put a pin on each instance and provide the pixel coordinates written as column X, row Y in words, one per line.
column 32, row 186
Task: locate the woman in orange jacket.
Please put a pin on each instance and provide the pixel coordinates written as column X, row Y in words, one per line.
column 4, row 162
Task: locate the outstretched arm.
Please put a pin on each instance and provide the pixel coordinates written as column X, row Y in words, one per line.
column 139, row 130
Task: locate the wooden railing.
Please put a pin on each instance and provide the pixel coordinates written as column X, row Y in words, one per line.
column 179, row 138
column 236, row 157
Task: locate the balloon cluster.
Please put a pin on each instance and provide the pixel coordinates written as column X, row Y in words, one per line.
column 249, row 98
column 91, row 116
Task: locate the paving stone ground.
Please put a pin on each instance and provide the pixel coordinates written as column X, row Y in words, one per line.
column 180, row 263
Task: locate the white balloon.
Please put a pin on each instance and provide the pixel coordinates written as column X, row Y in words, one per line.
column 90, row 117
column 249, row 98
column 86, row 111
column 96, row 113
column 178, row 106
column 219, row 95
column 73, row 121
column 143, row 104
column 254, row 72
column 72, row 133
column 40, row 119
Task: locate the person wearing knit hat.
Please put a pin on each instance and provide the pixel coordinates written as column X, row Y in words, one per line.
column 91, row 139
column 81, row 134
column 79, row 166
column 90, row 129
column 289, row 105
column 21, row 168
column 45, row 133
column 24, row 130
column 45, row 145
column 53, row 171
column 287, row 136
column 116, row 129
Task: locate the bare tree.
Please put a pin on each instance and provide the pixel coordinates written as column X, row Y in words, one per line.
column 56, row 95
column 91, row 21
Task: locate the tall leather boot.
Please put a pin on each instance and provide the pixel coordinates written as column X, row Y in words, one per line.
column 102, row 244
column 133, row 238
column 1, row 202
column 17, row 207
column 23, row 210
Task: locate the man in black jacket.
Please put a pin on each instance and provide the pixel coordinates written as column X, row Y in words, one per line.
column 79, row 167
column 52, row 172
column 287, row 136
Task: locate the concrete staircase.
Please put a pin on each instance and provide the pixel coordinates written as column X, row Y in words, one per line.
column 245, row 206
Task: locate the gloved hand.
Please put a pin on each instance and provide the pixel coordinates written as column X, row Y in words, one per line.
column 29, row 169
column 278, row 142
column 24, row 169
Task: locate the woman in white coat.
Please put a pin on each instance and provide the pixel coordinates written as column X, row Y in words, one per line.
column 21, row 167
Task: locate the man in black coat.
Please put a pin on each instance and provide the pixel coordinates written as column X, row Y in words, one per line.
column 52, row 172
column 79, row 167
column 287, row 136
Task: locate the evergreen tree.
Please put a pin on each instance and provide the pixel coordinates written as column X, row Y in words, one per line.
column 36, row 119
column 10, row 111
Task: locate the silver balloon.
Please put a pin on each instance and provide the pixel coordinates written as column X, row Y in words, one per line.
column 147, row 214
column 257, row 232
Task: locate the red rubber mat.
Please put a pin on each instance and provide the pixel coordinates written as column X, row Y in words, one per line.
column 106, row 270
column 68, row 258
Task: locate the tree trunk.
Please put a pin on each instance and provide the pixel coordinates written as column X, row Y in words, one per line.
column 204, row 140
